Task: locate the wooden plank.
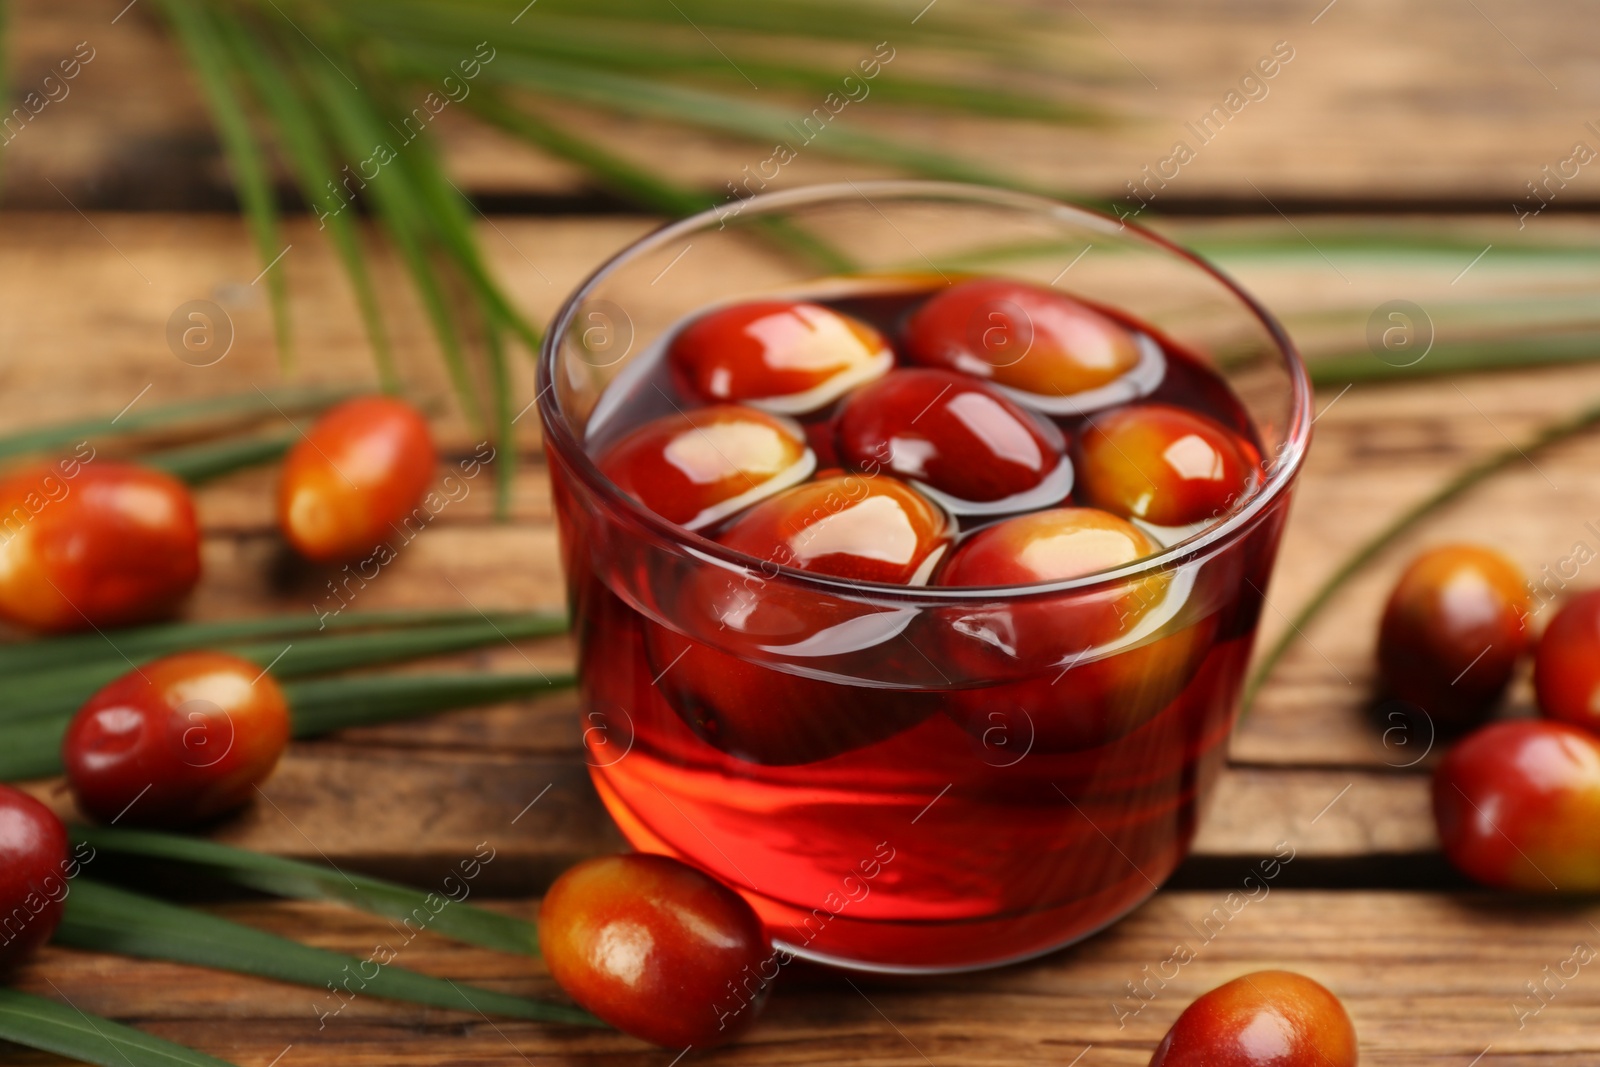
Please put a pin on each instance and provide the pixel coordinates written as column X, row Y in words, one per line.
column 1377, row 449
column 1429, row 979
column 1376, row 103
column 87, row 307
column 409, row 812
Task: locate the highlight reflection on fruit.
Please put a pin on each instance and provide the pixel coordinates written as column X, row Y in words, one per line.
column 1518, row 806
column 1566, row 670
column 1054, row 350
column 697, row 468
column 957, row 437
column 1163, row 464
column 657, row 949
column 1265, row 1019
column 106, row 545
column 176, row 741
column 1452, row 633
column 782, row 355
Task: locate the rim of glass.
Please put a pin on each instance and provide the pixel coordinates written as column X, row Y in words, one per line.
column 559, row 436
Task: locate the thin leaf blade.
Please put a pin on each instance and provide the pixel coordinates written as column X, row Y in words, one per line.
column 45, row 1025
column 62, row 690
column 105, row 918
column 206, row 52
column 238, row 407
column 31, row 747
column 306, row 881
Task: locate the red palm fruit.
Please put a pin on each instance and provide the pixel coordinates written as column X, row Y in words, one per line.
column 105, row 545
column 1518, row 806
column 1055, row 353
column 35, row 866
column 957, row 439
column 782, row 355
column 362, row 467
column 1166, row 465
column 1452, row 633
column 698, row 467
column 183, row 738
column 657, row 949
column 1265, row 1019
column 1566, row 670
column 870, row 529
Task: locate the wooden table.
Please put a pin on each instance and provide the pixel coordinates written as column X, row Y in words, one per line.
column 1389, row 106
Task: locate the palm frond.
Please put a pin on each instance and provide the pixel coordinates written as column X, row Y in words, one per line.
column 198, row 32
column 300, row 135
column 317, row 91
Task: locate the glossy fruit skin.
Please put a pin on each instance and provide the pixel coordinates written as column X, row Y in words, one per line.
column 200, row 729
column 1517, row 805
column 782, row 355
column 1452, row 633
column 657, row 949
column 855, row 526
column 1265, row 1019
column 697, row 467
column 1046, row 546
column 1566, row 669
column 1081, row 699
column 363, row 466
column 1026, row 337
column 35, row 866
column 870, row 529
column 956, row 436
column 1052, row 546
column 1166, row 465
column 107, row 545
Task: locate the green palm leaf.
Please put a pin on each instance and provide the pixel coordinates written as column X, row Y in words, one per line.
column 357, row 132
column 298, row 65
column 307, row 881
column 104, row 918
column 207, row 51
column 31, row 747
column 59, row 691
column 66, row 1031
column 197, row 464
column 300, row 134
column 186, row 415
column 146, row 642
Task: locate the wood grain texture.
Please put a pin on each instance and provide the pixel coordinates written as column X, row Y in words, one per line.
column 1431, row 978
column 1418, row 991
column 1385, row 102
column 372, row 799
column 1390, row 100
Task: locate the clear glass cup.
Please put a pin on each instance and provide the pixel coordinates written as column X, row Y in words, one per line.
column 908, row 796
